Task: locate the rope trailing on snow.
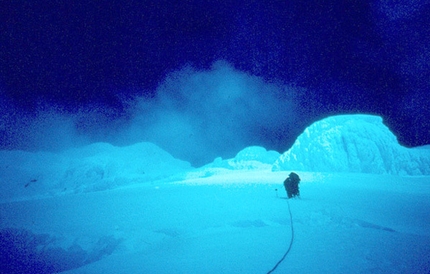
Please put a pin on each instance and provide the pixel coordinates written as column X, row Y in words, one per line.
column 291, row 241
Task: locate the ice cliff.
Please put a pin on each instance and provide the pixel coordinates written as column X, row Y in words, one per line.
column 353, row 143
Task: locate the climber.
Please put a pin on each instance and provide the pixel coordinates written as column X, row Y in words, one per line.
column 291, row 185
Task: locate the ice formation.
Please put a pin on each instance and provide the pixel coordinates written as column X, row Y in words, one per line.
column 353, row 143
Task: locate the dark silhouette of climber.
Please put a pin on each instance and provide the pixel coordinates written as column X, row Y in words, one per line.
column 291, row 185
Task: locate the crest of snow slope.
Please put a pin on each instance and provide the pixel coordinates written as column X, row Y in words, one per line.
column 249, row 158
column 95, row 167
column 353, row 143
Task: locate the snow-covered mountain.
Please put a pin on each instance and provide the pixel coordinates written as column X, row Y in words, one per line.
column 353, row 143
column 346, row 143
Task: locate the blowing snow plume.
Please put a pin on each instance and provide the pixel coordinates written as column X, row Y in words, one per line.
column 199, row 115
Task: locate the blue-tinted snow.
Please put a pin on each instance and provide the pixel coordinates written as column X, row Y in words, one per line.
column 231, row 223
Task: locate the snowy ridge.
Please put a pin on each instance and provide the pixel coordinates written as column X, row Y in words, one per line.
column 95, row 167
column 353, row 143
column 248, row 162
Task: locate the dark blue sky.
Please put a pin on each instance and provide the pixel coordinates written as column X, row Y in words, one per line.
column 342, row 56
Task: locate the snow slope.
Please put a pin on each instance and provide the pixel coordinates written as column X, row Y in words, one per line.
column 227, row 223
column 353, row 143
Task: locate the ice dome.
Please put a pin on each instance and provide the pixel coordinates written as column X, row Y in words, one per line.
column 353, row 143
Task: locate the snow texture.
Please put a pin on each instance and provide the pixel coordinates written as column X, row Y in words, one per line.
column 353, row 143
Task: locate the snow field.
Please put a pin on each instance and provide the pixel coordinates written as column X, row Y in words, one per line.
column 233, row 222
